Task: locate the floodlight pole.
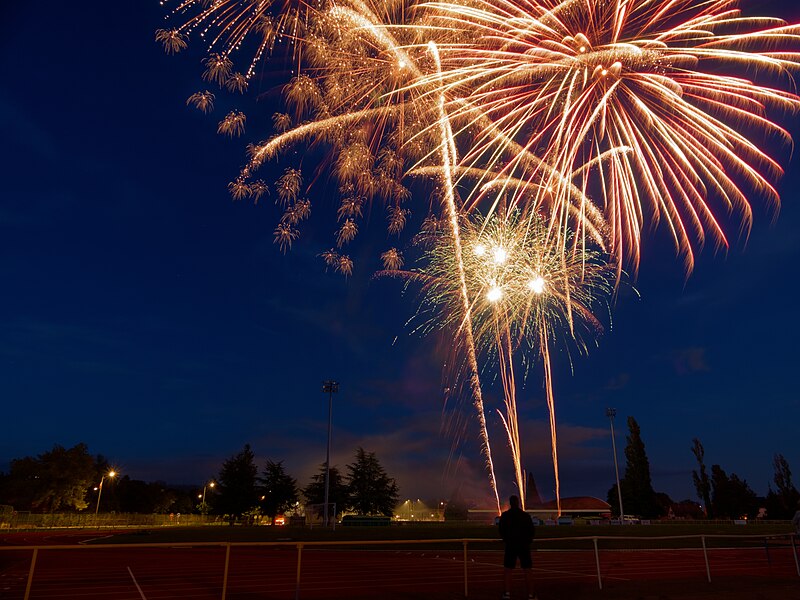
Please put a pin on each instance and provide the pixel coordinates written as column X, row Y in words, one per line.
column 329, row 387
column 611, row 413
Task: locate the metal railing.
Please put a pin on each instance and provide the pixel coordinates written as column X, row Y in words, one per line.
column 463, row 542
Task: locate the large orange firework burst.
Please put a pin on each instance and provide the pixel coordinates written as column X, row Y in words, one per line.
column 675, row 86
column 350, row 94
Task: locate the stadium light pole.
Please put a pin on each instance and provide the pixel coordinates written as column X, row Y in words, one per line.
column 329, row 387
column 611, row 413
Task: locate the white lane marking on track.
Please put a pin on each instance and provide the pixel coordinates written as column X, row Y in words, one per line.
column 141, row 593
column 102, row 537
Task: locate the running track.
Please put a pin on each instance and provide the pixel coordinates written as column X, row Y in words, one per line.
column 265, row 573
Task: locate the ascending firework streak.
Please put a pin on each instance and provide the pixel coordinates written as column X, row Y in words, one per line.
column 449, row 158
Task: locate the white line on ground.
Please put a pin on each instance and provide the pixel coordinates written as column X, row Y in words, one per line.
column 94, row 539
column 141, row 593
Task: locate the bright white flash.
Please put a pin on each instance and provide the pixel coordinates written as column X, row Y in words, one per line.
column 500, row 255
column 480, row 250
column 494, row 294
column 536, row 284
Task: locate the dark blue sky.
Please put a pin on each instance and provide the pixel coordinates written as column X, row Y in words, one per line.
column 146, row 314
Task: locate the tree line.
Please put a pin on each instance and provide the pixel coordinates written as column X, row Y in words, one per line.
column 365, row 488
column 68, row 480
column 721, row 495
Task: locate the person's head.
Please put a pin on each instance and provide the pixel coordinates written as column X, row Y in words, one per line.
column 514, row 501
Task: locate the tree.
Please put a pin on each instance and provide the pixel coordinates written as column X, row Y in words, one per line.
column 731, row 497
column 701, row 481
column 664, row 503
column 638, row 496
column 532, row 495
column 687, row 509
column 782, row 502
column 136, row 496
column 21, row 483
column 637, row 484
column 613, row 500
column 280, row 490
column 55, row 480
column 314, row 492
column 370, row 489
column 237, row 483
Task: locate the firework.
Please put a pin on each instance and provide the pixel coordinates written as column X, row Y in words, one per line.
column 352, row 93
column 570, row 80
column 639, row 106
column 226, row 26
column 552, row 134
column 525, row 297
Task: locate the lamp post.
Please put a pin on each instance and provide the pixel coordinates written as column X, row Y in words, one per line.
column 111, row 475
column 203, row 508
column 329, row 387
column 210, row 484
column 611, row 413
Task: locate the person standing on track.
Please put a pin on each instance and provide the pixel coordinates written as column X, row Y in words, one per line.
column 517, row 531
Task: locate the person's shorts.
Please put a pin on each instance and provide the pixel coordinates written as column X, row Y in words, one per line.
column 518, row 551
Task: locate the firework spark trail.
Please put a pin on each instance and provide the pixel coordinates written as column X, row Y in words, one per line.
column 449, row 158
column 551, row 407
column 511, row 418
column 271, row 148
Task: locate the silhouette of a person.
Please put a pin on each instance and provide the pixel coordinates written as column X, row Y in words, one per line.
column 517, row 531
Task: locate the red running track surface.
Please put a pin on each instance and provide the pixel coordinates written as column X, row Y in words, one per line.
column 264, row 573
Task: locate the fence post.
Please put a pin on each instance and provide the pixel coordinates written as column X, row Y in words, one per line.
column 466, row 591
column 794, row 554
column 597, row 562
column 705, row 554
column 766, row 549
column 225, row 573
column 30, row 574
column 297, row 583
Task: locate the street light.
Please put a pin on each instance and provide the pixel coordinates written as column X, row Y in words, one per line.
column 203, row 507
column 210, row 484
column 110, row 475
column 611, row 413
column 329, row 387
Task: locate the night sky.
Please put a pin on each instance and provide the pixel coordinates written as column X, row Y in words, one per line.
column 146, row 314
